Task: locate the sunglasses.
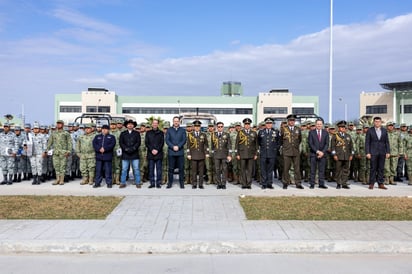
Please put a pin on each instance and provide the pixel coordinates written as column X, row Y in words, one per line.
column 219, row 126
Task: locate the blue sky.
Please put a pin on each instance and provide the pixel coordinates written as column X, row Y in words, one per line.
column 187, row 47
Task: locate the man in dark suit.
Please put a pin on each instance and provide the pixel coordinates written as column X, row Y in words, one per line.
column 318, row 140
column 103, row 145
column 268, row 140
column 175, row 141
column 377, row 150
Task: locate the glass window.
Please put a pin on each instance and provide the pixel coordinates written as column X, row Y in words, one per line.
column 377, row 109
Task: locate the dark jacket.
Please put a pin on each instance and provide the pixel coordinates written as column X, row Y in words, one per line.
column 107, row 142
column 268, row 143
column 154, row 140
column 130, row 143
column 176, row 137
column 375, row 146
column 316, row 145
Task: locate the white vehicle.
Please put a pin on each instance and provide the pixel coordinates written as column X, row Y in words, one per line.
column 205, row 118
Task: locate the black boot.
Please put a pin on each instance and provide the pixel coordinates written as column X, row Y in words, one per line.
column 19, row 178
column 10, row 181
column 24, row 176
column 66, row 178
column 35, row 180
column 4, row 182
column 14, row 178
column 43, row 178
column 30, row 176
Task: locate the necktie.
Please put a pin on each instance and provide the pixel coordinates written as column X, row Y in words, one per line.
column 267, row 131
column 319, row 135
column 220, row 134
column 197, row 134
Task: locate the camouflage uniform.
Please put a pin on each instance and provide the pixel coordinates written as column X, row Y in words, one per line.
column 61, row 143
column 18, row 161
column 304, row 153
column 37, row 152
column 396, row 145
column 8, row 150
column 360, row 154
column 210, row 167
column 116, row 160
column 408, row 156
column 26, row 165
column 85, row 151
column 165, row 166
column 143, row 163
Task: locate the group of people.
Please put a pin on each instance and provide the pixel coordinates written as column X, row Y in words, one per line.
column 312, row 152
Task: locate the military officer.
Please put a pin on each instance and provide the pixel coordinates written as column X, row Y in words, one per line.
column 188, row 163
column 290, row 140
column 232, row 134
column 197, row 152
column 116, row 160
column 363, row 175
column 246, row 153
column 36, row 150
column 342, row 151
column 396, row 145
column 61, row 143
column 268, row 148
column 18, row 161
column 86, row 153
column 400, row 170
column 210, row 168
column 8, row 151
column 305, row 151
column 26, row 165
column 408, row 155
column 221, row 148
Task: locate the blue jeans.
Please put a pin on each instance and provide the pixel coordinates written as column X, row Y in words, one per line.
column 125, row 170
column 155, row 164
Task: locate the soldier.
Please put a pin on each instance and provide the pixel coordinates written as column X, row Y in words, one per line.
column 86, row 153
column 360, row 154
column 68, row 174
column 330, row 163
column 396, row 145
column 221, row 148
column 18, row 162
column 8, row 151
column 36, row 150
column 197, row 152
column 401, row 161
column 304, row 151
column 290, row 142
column 143, row 154
column 103, row 145
column 342, row 151
column 75, row 168
column 47, row 165
column 165, row 167
column 246, row 153
column 235, row 161
column 61, row 143
column 188, row 163
column 116, row 166
column 232, row 143
column 268, row 148
column 210, row 168
column 356, row 159
column 26, row 165
column 351, row 130
column 408, row 155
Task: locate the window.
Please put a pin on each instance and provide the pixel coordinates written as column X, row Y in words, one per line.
column 377, row 109
column 102, row 109
column 406, row 109
column 70, row 109
column 303, row 111
column 275, row 110
column 142, row 110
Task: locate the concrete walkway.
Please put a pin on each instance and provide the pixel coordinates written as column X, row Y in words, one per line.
column 200, row 221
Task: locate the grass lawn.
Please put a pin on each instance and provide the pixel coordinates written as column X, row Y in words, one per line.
column 328, row 208
column 57, row 207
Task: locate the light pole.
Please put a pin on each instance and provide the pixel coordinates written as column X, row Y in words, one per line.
column 98, row 102
column 346, row 108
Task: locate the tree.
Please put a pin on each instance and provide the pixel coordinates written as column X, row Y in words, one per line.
column 150, row 120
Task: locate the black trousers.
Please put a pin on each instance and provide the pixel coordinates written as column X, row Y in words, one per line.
column 318, row 164
column 266, row 170
column 377, row 168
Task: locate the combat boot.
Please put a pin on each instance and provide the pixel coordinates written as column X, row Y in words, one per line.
column 61, row 181
column 43, row 178
column 4, row 182
column 30, row 176
column 84, row 181
column 19, row 178
column 57, row 181
column 35, row 180
column 65, row 178
column 164, row 181
column 386, row 181
column 391, row 181
column 116, row 179
column 14, row 178
column 10, row 181
column 24, row 176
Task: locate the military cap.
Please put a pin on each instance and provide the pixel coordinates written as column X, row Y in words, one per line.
column 189, row 124
column 247, row 121
column 327, row 125
column 268, row 120
column 105, row 127
column 76, row 124
column 17, row 127
column 211, row 125
column 98, row 125
column 403, row 125
column 70, row 124
column 311, row 124
column 197, row 123
column 390, row 123
column 82, row 126
column 238, row 124
column 142, row 124
column 118, row 121
column 43, row 127
column 366, row 126
column 359, row 127
column 341, row 123
column 232, row 125
column 332, row 126
column 27, row 125
column 261, row 124
column 148, row 126
column 351, row 124
column 397, row 126
column 6, row 124
column 53, row 126
column 36, row 125
column 60, row 122
column 113, row 122
column 291, row 117
column 87, row 125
